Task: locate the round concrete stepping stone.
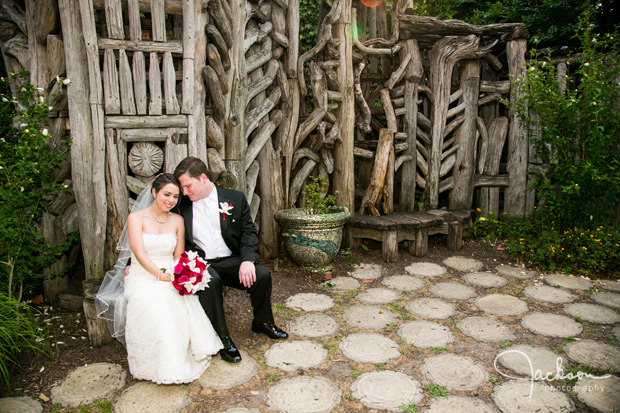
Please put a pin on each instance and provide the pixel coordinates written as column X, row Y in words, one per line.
column 369, row 348
column 368, row 317
column 378, row 296
column 295, row 355
column 551, row 325
column 486, row 330
column 608, row 299
column 525, row 360
column 309, row 302
column 153, row 398
column 601, row 356
column 342, row 284
column 425, row 334
column 431, row 308
column 367, row 272
column 88, row 383
column 514, row 272
column 240, row 410
column 463, row 264
column 403, row 283
column 459, row 404
column 600, row 394
column 425, row 269
column 20, row 405
column 616, row 332
column 592, row 313
column 548, row 294
column 568, row 281
column 386, row 390
column 454, row 372
column 501, row 305
column 485, row 279
column 520, row 396
column 452, row 291
column 611, row 285
column 314, row 394
column 313, row 325
column 222, row 375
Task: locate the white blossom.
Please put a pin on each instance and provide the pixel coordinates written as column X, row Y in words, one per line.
column 66, row 82
column 45, row 132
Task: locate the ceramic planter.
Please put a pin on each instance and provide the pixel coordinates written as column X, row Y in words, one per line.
column 312, row 240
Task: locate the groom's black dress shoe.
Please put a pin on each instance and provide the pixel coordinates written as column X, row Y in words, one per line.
column 230, row 353
column 270, row 330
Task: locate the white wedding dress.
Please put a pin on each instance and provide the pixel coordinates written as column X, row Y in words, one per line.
column 169, row 337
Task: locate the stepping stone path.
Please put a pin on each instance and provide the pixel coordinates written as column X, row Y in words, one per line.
column 611, row 285
column 514, row 396
column 524, row 359
column 551, row 325
column 548, row 294
column 153, row 398
column 222, row 375
column 425, row 269
column 313, row 325
column 387, row 390
column 608, row 299
column 592, row 313
column 425, row 334
column 568, row 281
column 369, row 348
column 378, row 296
column 367, row 272
column 310, row 302
column 601, row 356
column 304, row 394
column 432, row 308
column 403, row 283
column 20, row 404
column 295, row 355
column 368, row 317
column 463, row 264
column 240, row 410
column 452, row 291
column 486, row 329
column 589, row 391
column 485, row 279
column 616, row 332
column 454, row 372
column 342, row 284
column 88, row 383
column 501, row 305
column 514, row 272
column 459, row 404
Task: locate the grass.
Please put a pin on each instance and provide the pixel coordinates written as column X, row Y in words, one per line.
column 409, row 408
column 435, row 390
column 493, row 379
column 568, row 339
column 392, row 326
column 397, row 308
column 439, row 350
column 505, row 344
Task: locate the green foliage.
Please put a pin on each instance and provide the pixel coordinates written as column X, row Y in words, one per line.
column 435, row 390
column 308, row 23
column 26, row 166
column 315, row 201
column 19, row 331
column 409, row 408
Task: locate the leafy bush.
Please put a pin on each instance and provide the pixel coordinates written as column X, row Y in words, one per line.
column 26, row 166
column 315, row 201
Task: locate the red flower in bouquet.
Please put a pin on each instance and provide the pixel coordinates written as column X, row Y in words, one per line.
column 189, row 274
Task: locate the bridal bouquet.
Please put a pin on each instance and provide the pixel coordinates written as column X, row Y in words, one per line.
column 190, row 274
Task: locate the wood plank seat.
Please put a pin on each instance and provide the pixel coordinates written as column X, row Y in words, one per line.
column 414, row 227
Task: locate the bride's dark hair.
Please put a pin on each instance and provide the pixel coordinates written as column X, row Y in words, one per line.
column 165, row 179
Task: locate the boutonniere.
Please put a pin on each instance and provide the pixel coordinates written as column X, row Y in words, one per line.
column 225, row 209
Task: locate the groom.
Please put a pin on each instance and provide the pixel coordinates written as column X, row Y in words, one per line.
column 218, row 225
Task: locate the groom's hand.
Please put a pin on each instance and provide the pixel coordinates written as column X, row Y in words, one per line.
column 247, row 274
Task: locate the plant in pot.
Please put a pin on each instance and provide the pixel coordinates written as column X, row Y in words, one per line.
column 312, row 235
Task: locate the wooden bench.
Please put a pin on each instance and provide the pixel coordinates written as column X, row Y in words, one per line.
column 414, row 227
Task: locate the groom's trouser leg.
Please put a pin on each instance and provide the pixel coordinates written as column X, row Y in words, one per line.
column 212, row 302
column 260, row 292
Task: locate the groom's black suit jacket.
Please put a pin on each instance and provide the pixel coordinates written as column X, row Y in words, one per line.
column 238, row 230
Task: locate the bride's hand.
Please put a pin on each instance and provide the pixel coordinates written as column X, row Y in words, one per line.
column 165, row 277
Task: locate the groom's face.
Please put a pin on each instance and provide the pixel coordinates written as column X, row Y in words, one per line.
column 195, row 188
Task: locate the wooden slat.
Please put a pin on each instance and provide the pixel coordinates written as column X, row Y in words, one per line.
column 172, row 46
column 133, row 14
column 114, row 19
column 154, row 85
column 116, row 189
column 170, row 94
column 112, row 99
column 143, row 135
column 128, row 103
column 189, row 45
column 125, row 122
column 139, row 82
column 174, row 152
column 158, row 22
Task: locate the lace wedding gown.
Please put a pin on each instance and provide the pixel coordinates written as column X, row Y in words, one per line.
column 169, row 337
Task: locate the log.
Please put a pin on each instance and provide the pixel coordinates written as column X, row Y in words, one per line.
column 401, row 160
column 15, row 13
column 494, row 97
column 270, row 189
column 251, row 179
column 257, row 60
column 308, row 126
column 145, row 159
column 190, row 39
column 319, row 85
column 128, row 103
column 216, row 96
column 131, row 122
column 363, row 153
column 112, row 98
column 364, row 123
column 299, row 179
column 255, row 116
column 397, row 75
column 256, row 35
column 328, row 160
column 114, row 19
column 158, row 23
column 174, row 151
column 281, row 39
column 116, row 190
column 304, row 153
column 215, row 137
column 172, row 46
column 490, row 163
column 220, row 19
column 216, row 39
column 216, row 164
column 388, row 189
column 368, row 50
column 495, row 86
column 155, row 104
column 389, row 110
column 292, row 31
column 170, row 93
column 133, row 16
column 379, row 172
column 56, row 56
column 258, row 86
column 262, row 136
column 215, row 61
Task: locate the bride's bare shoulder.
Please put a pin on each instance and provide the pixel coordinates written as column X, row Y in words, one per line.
column 137, row 214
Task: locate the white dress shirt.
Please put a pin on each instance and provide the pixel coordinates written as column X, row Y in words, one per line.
column 206, row 227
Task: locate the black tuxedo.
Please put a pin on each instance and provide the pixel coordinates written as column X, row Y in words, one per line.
column 239, row 234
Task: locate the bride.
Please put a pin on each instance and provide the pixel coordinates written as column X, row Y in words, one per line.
column 168, row 336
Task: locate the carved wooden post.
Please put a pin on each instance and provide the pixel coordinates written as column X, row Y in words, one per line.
column 517, row 135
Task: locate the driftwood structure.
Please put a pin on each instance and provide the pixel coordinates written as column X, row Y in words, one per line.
column 399, row 112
